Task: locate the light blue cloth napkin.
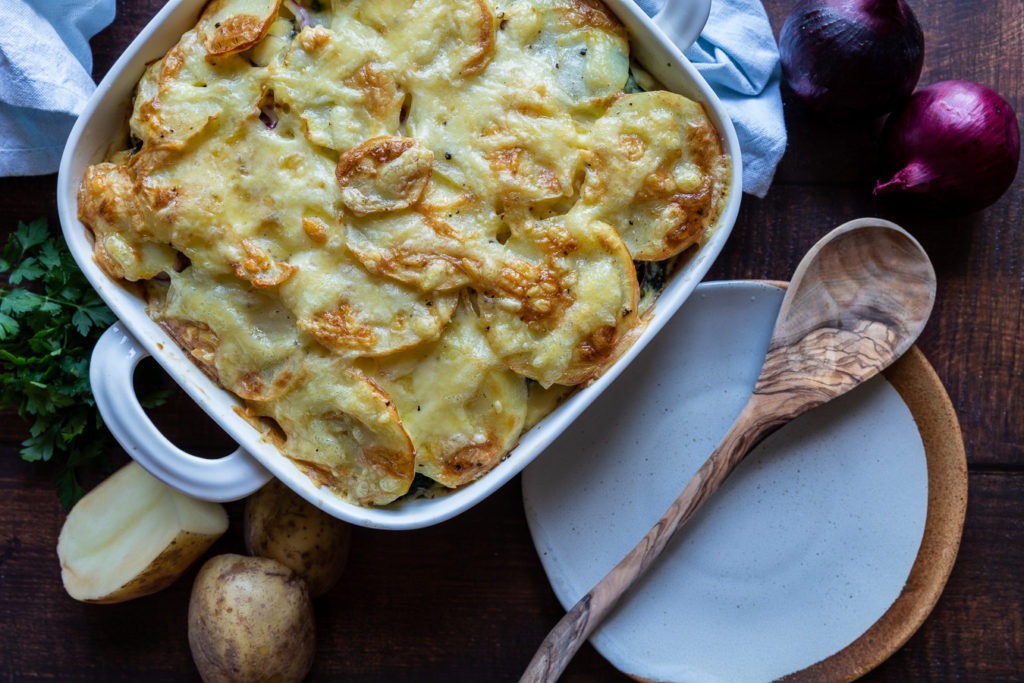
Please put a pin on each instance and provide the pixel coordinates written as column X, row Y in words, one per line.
column 738, row 56
column 45, row 67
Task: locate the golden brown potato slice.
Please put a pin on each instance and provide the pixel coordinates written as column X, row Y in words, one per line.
column 506, row 156
column 241, row 333
column 195, row 338
column 426, row 248
column 230, row 26
column 355, row 313
column 515, row 133
column 348, row 435
column 565, row 318
column 242, row 201
column 657, row 173
column 383, row 174
column 581, row 48
column 182, row 95
column 335, row 81
column 107, row 206
column 253, row 262
column 533, row 152
column 463, row 408
column 432, row 40
column 170, row 117
column 274, row 43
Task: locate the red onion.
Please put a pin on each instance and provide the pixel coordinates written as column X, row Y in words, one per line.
column 851, row 56
column 956, row 143
column 268, row 110
column 302, row 18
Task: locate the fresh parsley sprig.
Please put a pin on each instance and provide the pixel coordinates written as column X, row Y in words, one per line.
column 50, row 319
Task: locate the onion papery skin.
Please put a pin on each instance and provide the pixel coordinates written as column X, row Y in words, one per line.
column 852, row 57
column 955, row 143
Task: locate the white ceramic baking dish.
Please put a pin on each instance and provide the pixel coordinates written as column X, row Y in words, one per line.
column 135, row 336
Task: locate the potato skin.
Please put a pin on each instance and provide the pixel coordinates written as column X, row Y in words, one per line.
column 250, row 619
column 283, row 526
column 163, row 571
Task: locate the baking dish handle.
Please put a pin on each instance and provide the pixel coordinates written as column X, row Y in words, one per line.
column 681, row 20
column 114, row 359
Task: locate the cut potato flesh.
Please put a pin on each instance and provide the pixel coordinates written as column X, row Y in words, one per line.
column 133, row 535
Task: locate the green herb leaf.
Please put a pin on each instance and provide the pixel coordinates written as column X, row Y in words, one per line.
column 29, row 269
column 8, row 327
column 33, row 234
column 50, row 319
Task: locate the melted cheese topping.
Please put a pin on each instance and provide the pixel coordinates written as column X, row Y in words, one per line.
column 463, row 408
column 401, row 230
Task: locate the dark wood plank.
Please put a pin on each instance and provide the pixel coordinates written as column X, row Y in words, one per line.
column 431, row 606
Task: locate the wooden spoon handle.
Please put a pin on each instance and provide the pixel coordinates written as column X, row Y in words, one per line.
column 575, row 627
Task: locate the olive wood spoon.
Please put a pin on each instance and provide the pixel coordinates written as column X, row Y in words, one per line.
column 857, row 301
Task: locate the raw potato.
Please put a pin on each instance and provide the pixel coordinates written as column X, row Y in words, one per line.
column 283, row 526
column 250, row 619
column 133, row 535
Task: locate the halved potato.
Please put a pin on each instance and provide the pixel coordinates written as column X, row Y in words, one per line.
column 133, row 535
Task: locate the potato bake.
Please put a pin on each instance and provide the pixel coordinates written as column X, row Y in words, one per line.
column 398, row 231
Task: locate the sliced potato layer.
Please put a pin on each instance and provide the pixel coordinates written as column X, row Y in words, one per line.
column 462, row 407
column 348, row 433
column 182, row 95
column 657, row 173
column 352, row 313
column 230, row 26
column 335, row 82
column 564, row 320
column 384, row 174
column 433, row 40
column 121, row 245
column 238, row 334
column 308, row 192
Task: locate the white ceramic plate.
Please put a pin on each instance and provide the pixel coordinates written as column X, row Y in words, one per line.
column 805, row 548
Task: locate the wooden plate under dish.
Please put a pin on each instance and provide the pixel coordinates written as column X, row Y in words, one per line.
column 916, row 382
column 891, row 499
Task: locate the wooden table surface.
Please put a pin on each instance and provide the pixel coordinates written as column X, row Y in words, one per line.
column 467, row 600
